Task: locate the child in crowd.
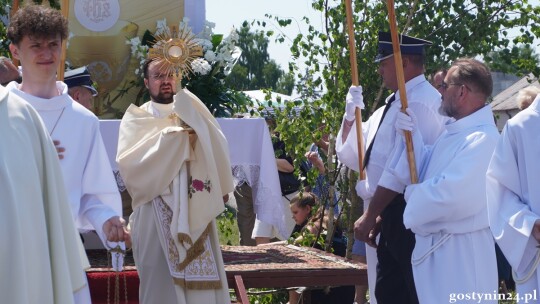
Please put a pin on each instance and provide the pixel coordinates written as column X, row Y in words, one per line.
column 309, row 219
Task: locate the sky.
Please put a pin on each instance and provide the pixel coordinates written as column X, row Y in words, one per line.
column 228, row 13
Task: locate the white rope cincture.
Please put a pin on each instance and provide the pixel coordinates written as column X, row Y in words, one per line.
column 530, row 272
column 439, row 243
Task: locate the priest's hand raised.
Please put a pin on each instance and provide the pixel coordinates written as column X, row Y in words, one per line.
column 115, row 230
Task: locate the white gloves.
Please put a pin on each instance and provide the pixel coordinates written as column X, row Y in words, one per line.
column 362, row 190
column 406, row 122
column 354, row 100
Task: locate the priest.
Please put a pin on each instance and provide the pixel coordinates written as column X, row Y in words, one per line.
column 174, row 161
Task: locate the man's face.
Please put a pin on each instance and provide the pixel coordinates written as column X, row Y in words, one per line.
column 39, row 57
column 437, row 82
column 387, row 70
column 161, row 86
column 451, row 93
column 84, row 96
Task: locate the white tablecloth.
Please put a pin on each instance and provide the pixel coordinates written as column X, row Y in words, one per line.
column 252, row 160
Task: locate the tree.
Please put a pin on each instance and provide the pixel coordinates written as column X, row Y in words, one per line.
column 519, row 60
column 452, row 25
column 255, row 70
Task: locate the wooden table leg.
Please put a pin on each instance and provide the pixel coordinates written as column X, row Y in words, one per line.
column 240, row 290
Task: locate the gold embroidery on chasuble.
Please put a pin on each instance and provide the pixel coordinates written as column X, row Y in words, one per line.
column 199, row 269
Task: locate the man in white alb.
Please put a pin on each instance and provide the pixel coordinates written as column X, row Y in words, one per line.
column 513, row 192
column 36, row 33
column 447, row 209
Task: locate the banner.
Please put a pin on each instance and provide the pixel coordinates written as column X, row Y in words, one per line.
column 99, row 30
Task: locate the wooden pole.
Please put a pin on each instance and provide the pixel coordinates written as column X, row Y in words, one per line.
column 355, row 82
column 62, row 66
column 401, row 86
column 14, row 8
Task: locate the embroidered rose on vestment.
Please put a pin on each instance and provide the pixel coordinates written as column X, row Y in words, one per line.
column 197, row 185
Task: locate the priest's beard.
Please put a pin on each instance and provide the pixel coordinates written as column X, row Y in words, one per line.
column 163, row 98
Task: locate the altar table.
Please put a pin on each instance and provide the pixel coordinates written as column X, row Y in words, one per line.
column 252, row 162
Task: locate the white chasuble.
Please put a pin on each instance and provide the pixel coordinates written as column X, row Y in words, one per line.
column 92, row 191
column 177, row 181
column 40, row 261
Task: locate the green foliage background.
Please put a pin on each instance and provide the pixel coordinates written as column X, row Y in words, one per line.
column 466, row 28
column 502, row 32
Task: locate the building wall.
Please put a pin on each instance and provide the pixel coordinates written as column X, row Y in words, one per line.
column 502, row 81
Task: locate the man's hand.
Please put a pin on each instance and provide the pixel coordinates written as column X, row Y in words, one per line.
column 374, row 233
column 59, row 150
column 406, row 122
column 366, row 229
column 313, row 157
column 353, row 100
column 115, row 230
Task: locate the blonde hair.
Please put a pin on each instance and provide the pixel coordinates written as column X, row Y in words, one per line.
column 526, row 96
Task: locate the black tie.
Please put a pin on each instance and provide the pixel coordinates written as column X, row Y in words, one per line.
column 368, row 151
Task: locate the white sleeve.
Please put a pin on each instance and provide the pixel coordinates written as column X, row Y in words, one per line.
column 510, row 217
column 397, row 167
column 100, row 196
column 347, row 152
column 397, row 175
column 443, row 194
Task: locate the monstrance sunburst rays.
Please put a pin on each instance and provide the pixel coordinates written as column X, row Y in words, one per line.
column 175, row 49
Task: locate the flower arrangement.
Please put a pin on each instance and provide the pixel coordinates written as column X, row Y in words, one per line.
column 205, row 75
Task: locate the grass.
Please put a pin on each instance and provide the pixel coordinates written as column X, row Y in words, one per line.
column 228, row 227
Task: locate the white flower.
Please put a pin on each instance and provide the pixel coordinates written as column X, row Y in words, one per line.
column 135, row 44
column 207, row 31
column 233, row 35
column 184, row 24
column 210, row 56
column 201, row 66
column 162, row 26
column 204, row 43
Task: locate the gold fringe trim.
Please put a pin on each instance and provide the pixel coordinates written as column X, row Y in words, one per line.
column 196, row 250
column 198, row 285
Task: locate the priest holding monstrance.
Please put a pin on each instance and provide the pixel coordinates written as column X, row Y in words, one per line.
column 174, row 160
